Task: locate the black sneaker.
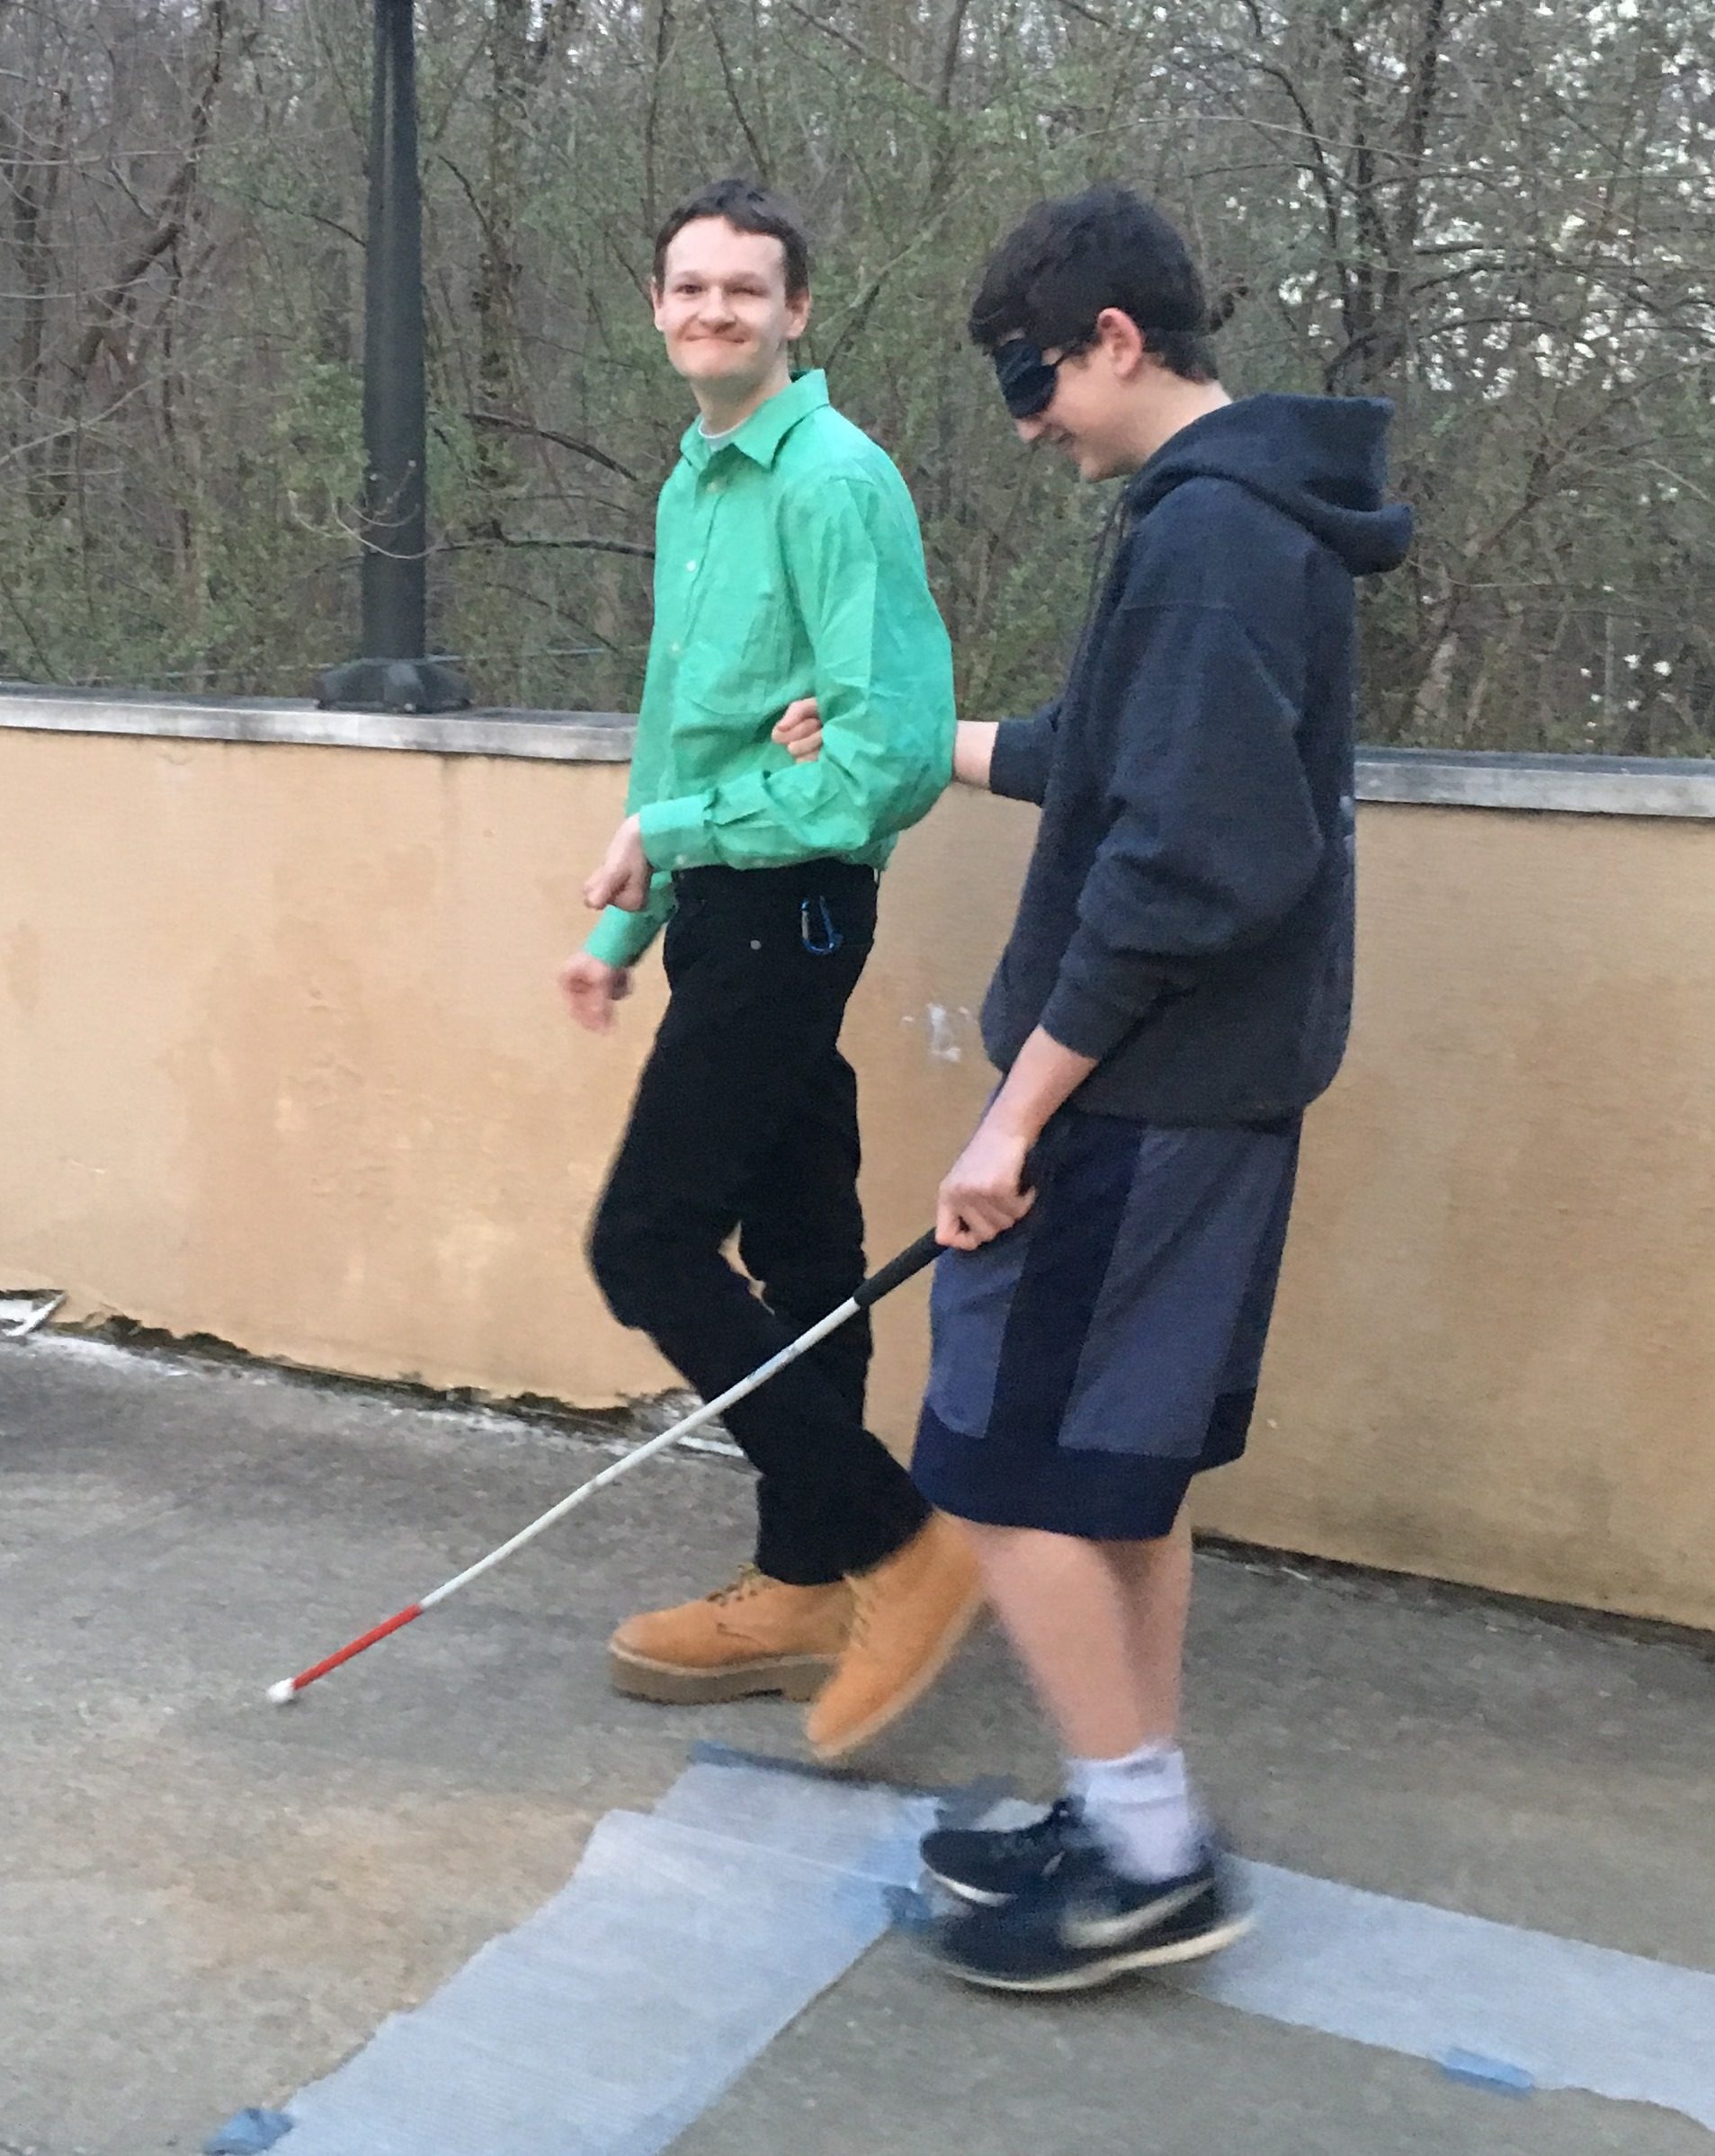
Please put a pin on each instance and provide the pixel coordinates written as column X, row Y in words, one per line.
column 1085, row 1925
column 987, row 1866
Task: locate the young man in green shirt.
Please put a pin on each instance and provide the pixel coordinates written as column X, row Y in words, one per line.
column 788, row 566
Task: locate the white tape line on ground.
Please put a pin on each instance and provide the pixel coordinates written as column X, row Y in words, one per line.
column 1408, row 1977
column 609, row 2020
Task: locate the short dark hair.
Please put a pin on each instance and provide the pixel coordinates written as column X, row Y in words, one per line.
column 1056, row 272
column 748, row 209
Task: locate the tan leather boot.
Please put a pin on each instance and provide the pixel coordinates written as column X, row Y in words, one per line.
column 756, row 1635
column 913, row 1611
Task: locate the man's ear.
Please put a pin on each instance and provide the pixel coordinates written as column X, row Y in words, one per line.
column 798, row 316
column 1119, row 336
column 656, row 296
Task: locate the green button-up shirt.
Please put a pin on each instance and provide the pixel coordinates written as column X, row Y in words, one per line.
column 788, row 563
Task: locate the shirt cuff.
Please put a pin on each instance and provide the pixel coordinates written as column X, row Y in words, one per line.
column 675, row 833
column 620, row 939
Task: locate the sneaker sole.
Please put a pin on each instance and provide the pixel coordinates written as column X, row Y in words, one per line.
column 907, row 1696
column 798, row 1676
column 979, row 1897
column 1089, row 1975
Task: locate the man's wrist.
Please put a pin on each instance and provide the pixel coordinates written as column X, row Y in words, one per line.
column 620, row 938
column 1044, row 1076
column 973, row 750
column 1023, row 1118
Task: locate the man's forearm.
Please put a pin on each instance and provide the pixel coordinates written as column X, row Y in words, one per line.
column 988, row 1190
column 1043, row 1077
column 973, row 746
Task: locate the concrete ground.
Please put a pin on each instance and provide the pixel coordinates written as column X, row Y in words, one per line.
column 206, row 1902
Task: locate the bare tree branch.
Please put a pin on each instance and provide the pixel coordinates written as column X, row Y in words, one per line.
column 503, row 423
column 550, row 544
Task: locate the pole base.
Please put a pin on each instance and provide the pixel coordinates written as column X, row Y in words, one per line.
column 393, row 685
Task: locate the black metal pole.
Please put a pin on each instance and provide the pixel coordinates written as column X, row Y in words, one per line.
column 395, row 672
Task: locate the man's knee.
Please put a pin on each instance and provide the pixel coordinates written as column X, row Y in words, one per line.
column 620, row 1255
column 650, row 1273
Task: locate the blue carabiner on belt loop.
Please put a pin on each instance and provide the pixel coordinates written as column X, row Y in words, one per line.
column 828, row 940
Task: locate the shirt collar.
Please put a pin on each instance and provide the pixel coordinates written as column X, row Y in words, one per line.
column 767, row 427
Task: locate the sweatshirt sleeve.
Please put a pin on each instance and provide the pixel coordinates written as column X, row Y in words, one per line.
column 1024, row 747
column 883, row 669
column 1213, row 836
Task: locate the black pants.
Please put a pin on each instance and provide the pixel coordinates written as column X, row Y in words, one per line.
column 746, row 1118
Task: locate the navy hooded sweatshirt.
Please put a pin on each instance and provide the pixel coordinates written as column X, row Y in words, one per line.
column 1187, row 917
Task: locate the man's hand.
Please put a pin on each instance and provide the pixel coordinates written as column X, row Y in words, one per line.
column 591, row 988
column 623, row 878
column 800, row 729
column 984, row 1193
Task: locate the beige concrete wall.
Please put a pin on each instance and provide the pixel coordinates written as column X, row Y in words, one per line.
column 282, row 1057
column 281, row 1061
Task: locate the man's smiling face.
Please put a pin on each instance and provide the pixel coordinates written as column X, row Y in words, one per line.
column 1088, row 418
column 723, row 308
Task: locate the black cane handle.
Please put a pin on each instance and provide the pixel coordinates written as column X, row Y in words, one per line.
column 909, row 1262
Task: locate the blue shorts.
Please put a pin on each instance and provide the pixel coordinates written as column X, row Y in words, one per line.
column 1088, row 1363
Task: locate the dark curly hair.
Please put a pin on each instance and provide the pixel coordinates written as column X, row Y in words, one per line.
column 747, row 208
column 1068, row 260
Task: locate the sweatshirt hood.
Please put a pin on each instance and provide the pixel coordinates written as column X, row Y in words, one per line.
column 1322, row 460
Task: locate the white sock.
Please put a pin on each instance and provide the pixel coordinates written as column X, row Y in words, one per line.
column 1140, row 1808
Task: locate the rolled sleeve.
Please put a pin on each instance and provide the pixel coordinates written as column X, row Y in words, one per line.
column 674, row 833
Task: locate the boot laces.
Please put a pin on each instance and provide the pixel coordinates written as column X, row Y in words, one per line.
column 747, row 1581
column 866, row 1598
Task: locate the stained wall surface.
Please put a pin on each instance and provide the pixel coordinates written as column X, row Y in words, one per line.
column 282, row 1062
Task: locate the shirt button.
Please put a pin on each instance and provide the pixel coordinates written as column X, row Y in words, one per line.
column 676, row 649
column 691, row 568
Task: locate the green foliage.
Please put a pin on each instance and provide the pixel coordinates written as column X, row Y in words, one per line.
column 1496, row 213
